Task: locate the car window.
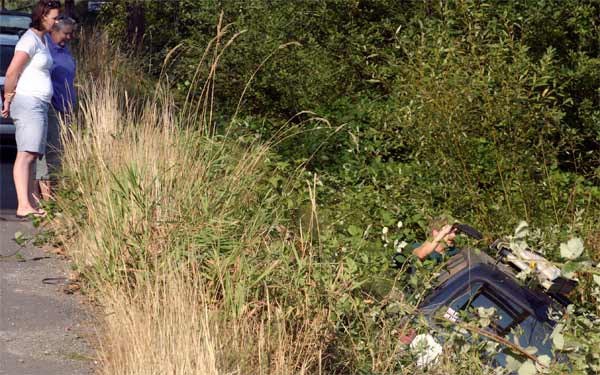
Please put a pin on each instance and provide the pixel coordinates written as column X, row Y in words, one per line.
column 532, row 332
column 512, row 321
column 95, row 6
column 15, row 21
column 479, row 295
column 503, row 320
column 467, row 295
column 6, row 55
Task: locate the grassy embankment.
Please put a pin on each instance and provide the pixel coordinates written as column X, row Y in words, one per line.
column 179, row 238
column 179, row 241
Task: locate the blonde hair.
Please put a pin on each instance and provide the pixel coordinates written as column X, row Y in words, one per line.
column 63, row 21
column 437, row 222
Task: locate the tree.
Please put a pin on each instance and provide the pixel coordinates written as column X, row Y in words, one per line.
column 70, row 7
column 135, row 22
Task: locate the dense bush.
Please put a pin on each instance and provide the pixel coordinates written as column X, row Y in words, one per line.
column 497, row 101
column 485, row 110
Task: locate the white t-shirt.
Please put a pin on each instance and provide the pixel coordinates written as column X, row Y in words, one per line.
column 35, row 80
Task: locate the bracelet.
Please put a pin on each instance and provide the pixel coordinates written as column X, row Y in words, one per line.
column 8, row 96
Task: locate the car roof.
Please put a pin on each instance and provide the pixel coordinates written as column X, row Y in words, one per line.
column 535, row 302
column 14, row 21
column 9, row 39
column 474, row 265
column 468, row 258
column 14, row 12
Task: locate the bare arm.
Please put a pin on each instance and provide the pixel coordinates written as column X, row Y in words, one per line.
column 425, row 249
column 17, row 64
column 429, row 246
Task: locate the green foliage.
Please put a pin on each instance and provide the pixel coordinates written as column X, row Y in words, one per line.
column 464, row 106
column 22, row 5
column 483, row 109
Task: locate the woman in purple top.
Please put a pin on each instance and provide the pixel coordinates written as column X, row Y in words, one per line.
column 63, row 102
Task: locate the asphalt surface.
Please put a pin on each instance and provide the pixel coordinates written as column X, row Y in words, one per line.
column 43, row 330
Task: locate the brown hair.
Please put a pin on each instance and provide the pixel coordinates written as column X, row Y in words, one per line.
column 41, row 9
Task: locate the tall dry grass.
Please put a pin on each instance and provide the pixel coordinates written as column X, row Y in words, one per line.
column 172, row 232
column 174, row 325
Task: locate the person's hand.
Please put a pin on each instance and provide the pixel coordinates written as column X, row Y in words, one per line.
column 6, row 109
column 446, row 230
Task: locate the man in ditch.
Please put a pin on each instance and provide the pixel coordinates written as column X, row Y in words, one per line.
column 440, row 243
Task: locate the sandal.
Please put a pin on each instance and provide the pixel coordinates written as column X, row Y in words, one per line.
column 31, row 216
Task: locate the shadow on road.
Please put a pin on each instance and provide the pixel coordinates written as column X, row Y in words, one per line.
column 8, row 197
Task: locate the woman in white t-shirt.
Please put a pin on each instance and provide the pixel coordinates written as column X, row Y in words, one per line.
column 28, row 92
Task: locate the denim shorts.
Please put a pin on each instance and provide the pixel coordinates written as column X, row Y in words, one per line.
column 49, row 164
column 30, row 116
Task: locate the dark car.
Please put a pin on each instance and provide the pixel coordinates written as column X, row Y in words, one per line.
column 523, row 316
column 13, row 22
column 7, row 49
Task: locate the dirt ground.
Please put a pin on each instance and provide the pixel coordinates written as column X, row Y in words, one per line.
column 43, row 329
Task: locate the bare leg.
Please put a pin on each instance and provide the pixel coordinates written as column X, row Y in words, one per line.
column 44, row 189
column 37, row 191
column 23, row 177
column 34, row 197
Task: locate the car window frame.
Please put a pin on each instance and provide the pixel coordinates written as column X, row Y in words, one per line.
column 499, row 301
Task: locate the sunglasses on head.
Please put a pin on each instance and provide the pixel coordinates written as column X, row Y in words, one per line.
column 52, row 4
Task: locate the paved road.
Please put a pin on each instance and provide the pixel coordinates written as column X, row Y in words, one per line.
column 43, row 330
